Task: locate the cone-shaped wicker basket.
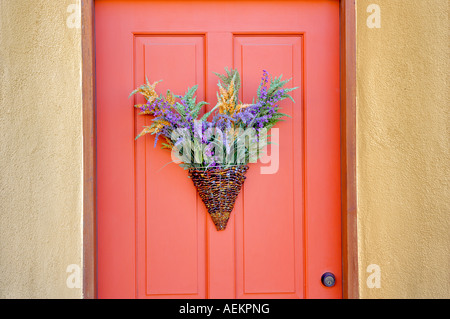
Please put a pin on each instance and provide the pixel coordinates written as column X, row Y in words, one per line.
column 218, row 189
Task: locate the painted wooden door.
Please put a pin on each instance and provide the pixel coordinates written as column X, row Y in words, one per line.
column 155, row 239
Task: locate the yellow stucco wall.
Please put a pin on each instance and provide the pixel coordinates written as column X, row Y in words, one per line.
column 40, row 149
column 403, row 148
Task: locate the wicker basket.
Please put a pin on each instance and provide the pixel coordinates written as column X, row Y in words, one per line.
column 219, row 188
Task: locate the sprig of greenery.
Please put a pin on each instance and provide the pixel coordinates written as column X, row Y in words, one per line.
column 229, row 77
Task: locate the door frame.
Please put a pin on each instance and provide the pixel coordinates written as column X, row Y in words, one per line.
column 347, row 17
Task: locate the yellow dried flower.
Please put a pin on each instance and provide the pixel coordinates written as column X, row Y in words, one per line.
column 170, row 98
column 227, row 99
column 158, row 126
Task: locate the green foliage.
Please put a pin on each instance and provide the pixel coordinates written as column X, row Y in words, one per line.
column 230, row 76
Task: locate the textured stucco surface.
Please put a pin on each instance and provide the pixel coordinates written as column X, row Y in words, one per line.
column 40, row 149
column 403, row 148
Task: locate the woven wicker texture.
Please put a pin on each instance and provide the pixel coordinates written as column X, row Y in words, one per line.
column 219, row 188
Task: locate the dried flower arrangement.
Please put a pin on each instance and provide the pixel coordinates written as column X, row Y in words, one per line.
column 215, row 152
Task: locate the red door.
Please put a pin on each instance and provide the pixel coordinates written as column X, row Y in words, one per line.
column 155, row 239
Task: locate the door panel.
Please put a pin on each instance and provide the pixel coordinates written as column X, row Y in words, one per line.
column 171, row 224
column 270, row 235
column 155, row 239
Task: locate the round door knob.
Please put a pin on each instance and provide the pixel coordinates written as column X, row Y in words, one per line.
column 328, row 279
